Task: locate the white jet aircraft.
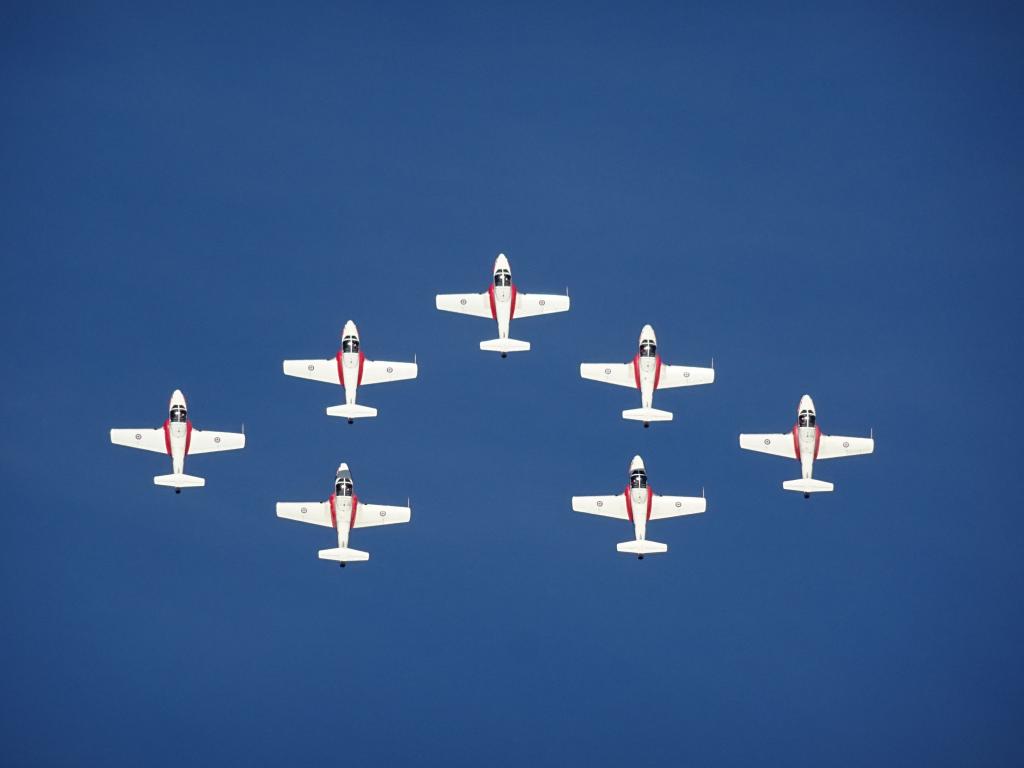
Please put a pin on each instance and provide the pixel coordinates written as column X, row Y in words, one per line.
column 638, row 504
column 350, row 369
column 502, row 302
column 343, row 511
column 647, row 373
column 806, row 443
column 178, row 439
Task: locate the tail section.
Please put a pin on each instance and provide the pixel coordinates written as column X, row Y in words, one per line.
column 344, row 555
column 179, row 481
column 351, row 411
column 807, row 486
column 641, row 547
column 647, row 415
column 505, row 346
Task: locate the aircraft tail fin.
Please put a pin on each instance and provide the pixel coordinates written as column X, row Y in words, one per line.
column 642, row 547
column 505, row 346
column 179, row 481
column 344, row 555
column 646, row 415
column 352, row 411
column 807, row 486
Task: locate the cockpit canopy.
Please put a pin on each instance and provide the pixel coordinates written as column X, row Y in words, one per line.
column 343, row 486
column 637, row 479
column 178, row 414
column 648, row 348
column 350, row 344
column 502, row 278
column 806, row 419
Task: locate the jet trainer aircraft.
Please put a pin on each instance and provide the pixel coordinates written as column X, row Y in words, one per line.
column 502, row 302
column 343, row 511
column 178, row 439
column 638, row 504
column 647, row 373
column 350, row 368
column 806, row 443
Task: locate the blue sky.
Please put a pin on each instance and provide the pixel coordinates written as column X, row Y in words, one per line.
column 824, row 199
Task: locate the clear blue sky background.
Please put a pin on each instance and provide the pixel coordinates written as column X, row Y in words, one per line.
column 825, row 200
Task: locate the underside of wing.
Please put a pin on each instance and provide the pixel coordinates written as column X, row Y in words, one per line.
column 675, row 506
column 315, row 370
column 684, row 376
column 837, row 446
column 145, row 439
column 475, row 304
column 369, row 515
column 606, row 506
column 621, row 374
column 381, row 371
column 205, row 441
column 776, row 445
column 533, row 304
column 313, row 512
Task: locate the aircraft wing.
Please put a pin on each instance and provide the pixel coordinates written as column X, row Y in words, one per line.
column 369, row 515
column 776, row 445
column 147, row 439
column 684, row 376
column 674, row 506
column 532, row 304
column 314, row 512
column 621, row 374
column 606, row 506
column 476, row 304
column 204, row 441
column 315, row 370
column 836, row 446
column 381, row 371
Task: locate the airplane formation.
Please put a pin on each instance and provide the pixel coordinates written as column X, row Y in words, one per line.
column 501, row 302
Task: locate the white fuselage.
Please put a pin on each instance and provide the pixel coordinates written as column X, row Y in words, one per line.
column 638, row 505
column 341, row 511
column 807, row 443
column 350, row 374
column 647, row 371
column 503, row 307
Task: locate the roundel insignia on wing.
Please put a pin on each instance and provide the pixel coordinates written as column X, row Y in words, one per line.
column 846, row 443
column 767, row 441
column 462, row 302
column 542, row 302
column 390, row 369
column 600, row 503
column 310, row 367
column 302, row 510
column 216, row 439
column 679, row 504
column 686, row 374
column 138, row 436
column 607, row 371
column 383, row 513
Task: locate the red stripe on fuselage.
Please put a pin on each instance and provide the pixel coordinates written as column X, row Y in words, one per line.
column 629, row 505
column 167, row 436
column 188, row 435
column 657, row 370
column 636, row 369
column 334, row 515
column 796, row 440
column 494, row 309
column 355, row 503
column 341, row 369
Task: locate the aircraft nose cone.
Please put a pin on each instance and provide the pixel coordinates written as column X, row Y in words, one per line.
column 350, row 329
column 647, row 334
column 636, row 463
column 501, row 262
column 343, row 467
column 177, row 398
column 806, row 404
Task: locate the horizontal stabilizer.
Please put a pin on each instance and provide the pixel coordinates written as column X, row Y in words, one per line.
column 642, row 547
column 647, row 414
column 807, row 486
column 344, row 555
column 179, row 481
column 351, row 411
column 505, row 345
